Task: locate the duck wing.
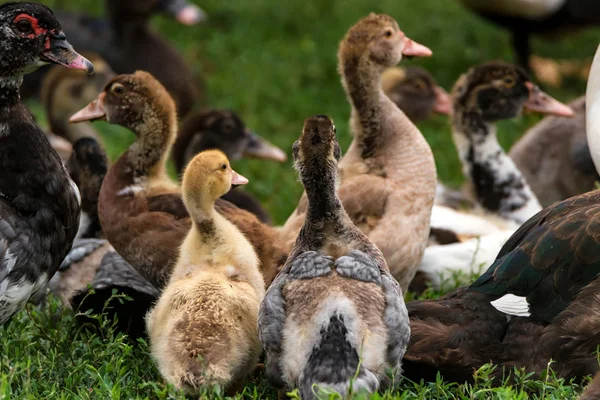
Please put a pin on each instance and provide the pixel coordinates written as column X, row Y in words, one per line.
column 272, row 314
column 550, row 258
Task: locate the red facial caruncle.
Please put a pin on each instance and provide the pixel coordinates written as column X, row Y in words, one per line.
column 28, row 25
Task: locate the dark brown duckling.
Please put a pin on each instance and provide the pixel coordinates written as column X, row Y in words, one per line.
column 126, row 41
column 415, row 91
column 65, row 91
column 224, row 130
column 140, row 208
column 39, row 203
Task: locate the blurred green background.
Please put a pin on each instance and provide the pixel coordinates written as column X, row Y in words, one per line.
column 275, row 64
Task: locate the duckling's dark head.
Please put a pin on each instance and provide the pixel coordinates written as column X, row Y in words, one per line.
column 415, row 91
column 135, row 101
column 30, row 36
column 317, row 151
column 223, row 130
column 379, row 38
column 498, row 90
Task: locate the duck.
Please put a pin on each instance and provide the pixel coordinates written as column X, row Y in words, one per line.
column 64, row 91
column 415, row 91
column 334, row 319
column 524, row 18
column 203, row 329
column 39, row 203
column 140, row 208
column 486, row 94
column 388, row 176
column 224, row 130
column 554, row 157
column 592, row 390
column 93, row 262
column 534, row 304
column 126, row 41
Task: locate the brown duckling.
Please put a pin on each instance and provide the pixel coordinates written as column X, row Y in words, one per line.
column 224, row 130
column 203, row 329
column 140, row 208
column 334, row 318
column 388, row 176
column 415, row 92
column 65, row 91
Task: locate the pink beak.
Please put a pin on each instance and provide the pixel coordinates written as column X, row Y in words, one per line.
column 414, row 49
column 443, row 103
column 237, row 179
column 190, row 15
column 543, row 103
column 91, row 112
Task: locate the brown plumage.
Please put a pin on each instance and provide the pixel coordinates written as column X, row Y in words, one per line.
column 592, row 391
column 140, row 208
column 388, row 175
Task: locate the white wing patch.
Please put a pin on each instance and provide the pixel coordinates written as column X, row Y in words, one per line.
column 512, row 305
column 130, row 190
column 9, row 261
column 75, row 190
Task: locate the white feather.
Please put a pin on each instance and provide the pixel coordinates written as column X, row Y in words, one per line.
column 512, row 305
column 593, row 110
column 467, row 224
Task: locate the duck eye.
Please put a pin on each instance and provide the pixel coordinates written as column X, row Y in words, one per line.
column 388, row 33
column 419, row 84
column 509, row 81
column 24, row 26
column 223, row 167
column 117, row 88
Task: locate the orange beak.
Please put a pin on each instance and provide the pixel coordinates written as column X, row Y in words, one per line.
column 414, row 49
column 91, row 112
column 443, row 103
column 544, row 103
column 237, row 179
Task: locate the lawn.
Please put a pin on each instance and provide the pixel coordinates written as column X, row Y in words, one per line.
column 275, row 64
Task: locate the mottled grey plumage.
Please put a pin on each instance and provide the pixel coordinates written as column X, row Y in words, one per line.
column 395, row 318
column 358, row 265
column 310, row 264
column 80, row 250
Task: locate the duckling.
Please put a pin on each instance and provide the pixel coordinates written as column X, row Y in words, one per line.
column 203, row 328
column 140, row 208
column 224, row 130
column 388, row 175
column 39, row 203
column 555, row 158
column 486, row 94
column 127, row 43
column 334, row 318
column 415, row 92
column 537, row 302
column 65, row 91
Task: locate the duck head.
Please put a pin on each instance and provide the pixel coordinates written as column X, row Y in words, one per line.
column 415, row 92
column 223, row 130
column 208, row 177
column 30, row 36
column 378, row 39
column 317, row 153
column 135, row 101
column 497, row 90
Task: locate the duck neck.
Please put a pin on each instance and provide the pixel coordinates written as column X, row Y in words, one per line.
column 148, row 155
column 497, row 183
column 126, row 24
column 205, row 219
column 9, row 93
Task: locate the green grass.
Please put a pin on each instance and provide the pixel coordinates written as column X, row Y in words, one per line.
column 275, row 64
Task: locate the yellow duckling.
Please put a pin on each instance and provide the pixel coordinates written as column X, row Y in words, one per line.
column 203, row 329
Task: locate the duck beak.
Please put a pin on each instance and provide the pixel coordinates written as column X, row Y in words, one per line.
column 259, row 147
column 237, row 179
column 91, row 112
column 414, row 49
column 443, row 103
column 58, row 51
column 184, row 12
column 543, row 103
